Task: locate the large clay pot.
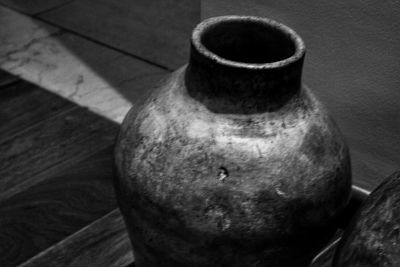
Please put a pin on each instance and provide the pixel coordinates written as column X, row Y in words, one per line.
column 231, row 162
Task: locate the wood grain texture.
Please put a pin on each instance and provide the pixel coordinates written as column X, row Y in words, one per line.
column 70, row 136
column 158, row 31
column 104, row 243
column 33, row 6
column 23, row 104
column 68, row 199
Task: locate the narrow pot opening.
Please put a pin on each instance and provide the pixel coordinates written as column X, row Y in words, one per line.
column 248, row 40
column 244, row 64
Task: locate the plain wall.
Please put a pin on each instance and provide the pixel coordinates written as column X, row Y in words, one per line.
column 352, row 65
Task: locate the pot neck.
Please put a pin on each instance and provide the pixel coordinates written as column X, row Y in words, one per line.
column 244, row 64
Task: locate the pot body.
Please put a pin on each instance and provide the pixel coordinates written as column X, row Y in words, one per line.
column 199, row 186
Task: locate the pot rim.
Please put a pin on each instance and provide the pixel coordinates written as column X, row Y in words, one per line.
column 201, row 28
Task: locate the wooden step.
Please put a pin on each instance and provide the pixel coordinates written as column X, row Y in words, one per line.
column 56, row 141
column 104, row 243
column 23, row 104
column 66, row 200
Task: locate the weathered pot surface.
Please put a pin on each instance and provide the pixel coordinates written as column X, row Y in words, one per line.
column 372, row 238
column 231, row 162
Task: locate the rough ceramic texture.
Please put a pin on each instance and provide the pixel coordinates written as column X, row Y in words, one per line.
column 373, row 236
column 232, row 163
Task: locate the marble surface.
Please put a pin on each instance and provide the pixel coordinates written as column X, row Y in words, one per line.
column 91, row 75
column 18, row 32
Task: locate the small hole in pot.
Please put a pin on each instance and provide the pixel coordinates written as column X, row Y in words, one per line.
column 248, row 42
column 222, row 173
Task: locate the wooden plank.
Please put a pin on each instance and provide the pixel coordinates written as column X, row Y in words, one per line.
column 69, row 198
column 51, row 143
column 6, row 78
column 103, row 243
column 158, row 31
column 23, row 104
column 33, row 6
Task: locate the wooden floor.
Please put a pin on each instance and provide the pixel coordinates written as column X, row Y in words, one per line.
column 56, row 187
column 67, row 79
column 70, row 70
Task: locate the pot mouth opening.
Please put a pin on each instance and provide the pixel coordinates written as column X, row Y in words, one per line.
column 247, row 42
